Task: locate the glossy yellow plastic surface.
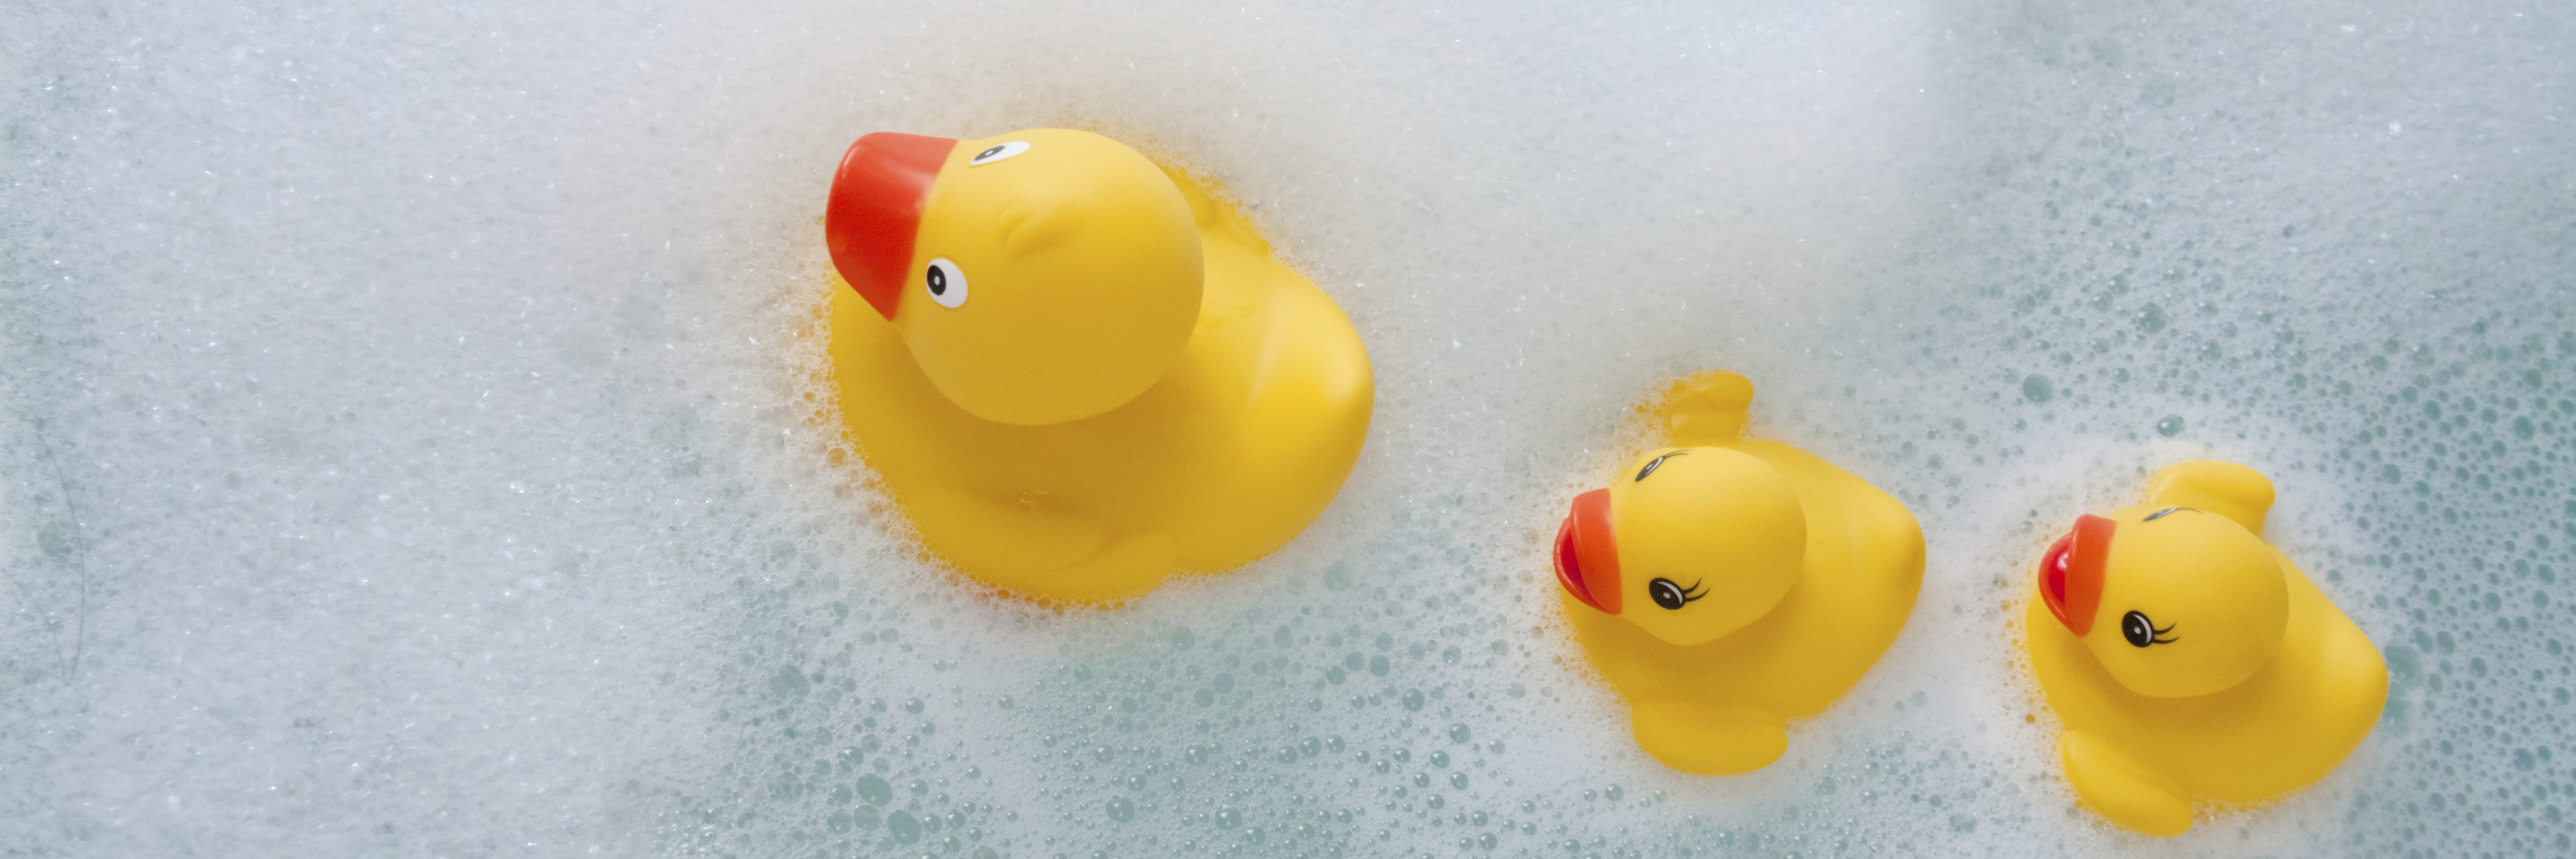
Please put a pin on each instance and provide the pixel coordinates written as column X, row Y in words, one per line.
column 2250, row 686
column 1226, row 444
column 1794, row 577
column 1082, row 269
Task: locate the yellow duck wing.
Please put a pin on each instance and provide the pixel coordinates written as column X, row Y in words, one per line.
column 2304, row 713
column 1864, row 568
column 931, row 454
column 1285, row 382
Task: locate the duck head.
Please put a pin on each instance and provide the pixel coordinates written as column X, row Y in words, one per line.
column 1037, row 277
column 2174, row 601
column 1688, row 543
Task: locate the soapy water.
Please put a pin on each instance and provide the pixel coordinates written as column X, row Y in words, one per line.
column 413, row 444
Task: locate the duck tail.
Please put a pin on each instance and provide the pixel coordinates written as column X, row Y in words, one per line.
column 2224, row 488
column 1705, row 408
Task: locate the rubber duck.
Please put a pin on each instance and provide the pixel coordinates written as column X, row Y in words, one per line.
column 1725, row 586
column 1077, row 372
column 2189, row 661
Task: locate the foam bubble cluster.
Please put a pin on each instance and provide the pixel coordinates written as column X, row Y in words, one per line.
column 412, row 441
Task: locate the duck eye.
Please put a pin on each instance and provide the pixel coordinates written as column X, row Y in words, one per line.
column 2141, row 632
column 997, row 153
column 947, row 285
column 1657, row 463
column 1670, row 595
column 2163, row 513
column 1665, row 593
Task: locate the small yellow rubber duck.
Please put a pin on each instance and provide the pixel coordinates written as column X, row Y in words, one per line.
column 2189, row 660
column 1726, row 586
column 1076, row 371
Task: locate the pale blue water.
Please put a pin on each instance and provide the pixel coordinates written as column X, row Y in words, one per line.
column 405, row 452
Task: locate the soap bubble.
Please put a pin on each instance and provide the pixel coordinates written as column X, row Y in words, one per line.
column 874, row 790
column 903, row 827
column 2037, row 388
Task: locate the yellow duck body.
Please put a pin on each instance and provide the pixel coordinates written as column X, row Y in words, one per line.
column 1815, row 572
column 2284, row 688
column 1236, row 442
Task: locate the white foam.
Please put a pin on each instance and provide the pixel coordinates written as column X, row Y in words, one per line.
column 406, row 449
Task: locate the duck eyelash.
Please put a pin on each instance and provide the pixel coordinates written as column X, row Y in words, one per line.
column 2166, row 512
column 1694, row 592
column 2159, row 637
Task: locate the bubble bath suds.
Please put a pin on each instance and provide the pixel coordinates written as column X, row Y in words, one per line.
column 410, row 441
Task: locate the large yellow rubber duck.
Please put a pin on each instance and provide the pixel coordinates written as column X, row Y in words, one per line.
column 2190, row 661
column 1076, row 371
column 1726, row 586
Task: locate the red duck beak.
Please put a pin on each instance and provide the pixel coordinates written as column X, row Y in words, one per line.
column 2070, row 575
column 1587, row 562
column 874, row 211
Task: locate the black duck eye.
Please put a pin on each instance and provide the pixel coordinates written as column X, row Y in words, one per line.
column 947, row 284
column 998, row 153
column 1657, row 463
column 2163, row 513
column 2141, row 632
column 1669, row 595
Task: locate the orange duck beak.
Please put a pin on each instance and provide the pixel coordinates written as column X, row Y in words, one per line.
column 2070, row 575
column 874, row 211
column 1587, row 562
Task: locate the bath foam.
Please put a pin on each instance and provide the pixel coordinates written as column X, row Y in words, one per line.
column 407, row 450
